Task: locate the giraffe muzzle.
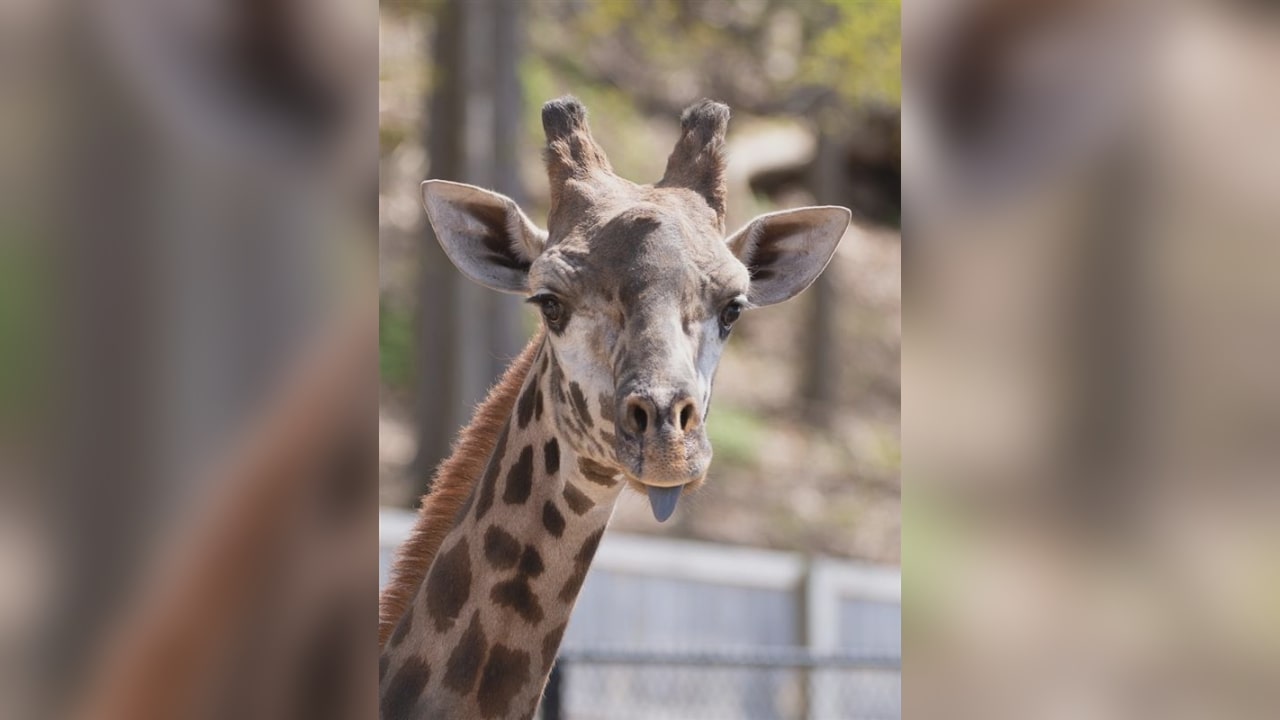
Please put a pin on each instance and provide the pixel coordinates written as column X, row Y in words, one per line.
column 662, row 444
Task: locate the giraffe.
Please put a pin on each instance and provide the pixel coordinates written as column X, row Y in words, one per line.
column 638, row 289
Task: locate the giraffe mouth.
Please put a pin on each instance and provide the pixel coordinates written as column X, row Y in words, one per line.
column 662, row 500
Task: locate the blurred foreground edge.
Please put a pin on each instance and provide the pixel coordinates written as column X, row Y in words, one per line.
column 265, row 607
column 1091, row 428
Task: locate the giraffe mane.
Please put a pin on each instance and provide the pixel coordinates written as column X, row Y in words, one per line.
column 454, row 481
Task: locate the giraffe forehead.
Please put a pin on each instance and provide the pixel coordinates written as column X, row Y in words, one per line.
column 641, row 257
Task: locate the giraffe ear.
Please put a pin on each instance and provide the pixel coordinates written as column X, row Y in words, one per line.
column 485, row 234
column 786, row 251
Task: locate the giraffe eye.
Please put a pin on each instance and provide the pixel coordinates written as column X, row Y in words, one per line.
column 553, row 312
column 729, row 315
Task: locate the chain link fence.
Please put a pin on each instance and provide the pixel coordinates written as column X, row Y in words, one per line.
column 747, row 685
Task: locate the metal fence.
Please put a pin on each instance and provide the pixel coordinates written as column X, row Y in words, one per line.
column 797, row 637
column 740, row 685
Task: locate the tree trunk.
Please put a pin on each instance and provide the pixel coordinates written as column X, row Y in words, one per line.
column 820, row 385
column 435, row 312
column 466, row 333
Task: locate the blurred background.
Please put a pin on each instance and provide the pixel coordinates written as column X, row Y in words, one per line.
column 187, row 248
column 1090, row 431
column 188, row 366
column 791, row 549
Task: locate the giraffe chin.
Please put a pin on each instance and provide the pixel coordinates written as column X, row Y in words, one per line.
column 663, row 501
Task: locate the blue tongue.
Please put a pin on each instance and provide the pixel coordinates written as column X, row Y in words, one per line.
column 663, row 500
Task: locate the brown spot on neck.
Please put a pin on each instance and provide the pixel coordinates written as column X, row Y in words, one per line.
column 402, row 628
column 551, row 455
column 552, row 519
column 405, row 688
column 488, row 483
column 505, row 675
column 524, row 411
column 597, row 473
column 551, row 644
column 467, row 657
column 520, row 478
column 531, row 562
column 449, row 585
column 581, row 564
column 517, row 595
column 578, row 501
column 500, row 548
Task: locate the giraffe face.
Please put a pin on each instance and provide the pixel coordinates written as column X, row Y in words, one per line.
column 638, row 288
column 637, row 348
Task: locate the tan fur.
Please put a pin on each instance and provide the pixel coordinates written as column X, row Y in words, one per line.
column 454, row 481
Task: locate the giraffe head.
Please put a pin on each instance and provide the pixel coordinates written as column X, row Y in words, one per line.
column 638, row 287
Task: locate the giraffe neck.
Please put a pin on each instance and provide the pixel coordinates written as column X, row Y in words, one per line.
column 480, row 636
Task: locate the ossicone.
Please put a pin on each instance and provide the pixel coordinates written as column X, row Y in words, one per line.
column 571, row 153
column 697, row 162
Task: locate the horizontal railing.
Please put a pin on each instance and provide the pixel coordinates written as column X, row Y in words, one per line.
column 745, row 658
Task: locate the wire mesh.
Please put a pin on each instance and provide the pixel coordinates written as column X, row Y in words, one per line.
column 749, row 685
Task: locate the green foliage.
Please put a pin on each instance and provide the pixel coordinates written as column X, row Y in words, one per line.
column 24, row 325
column 860, row 53
column 412, row 7
column 389, row 138
column 395, row 346
column 747, row 52
column 889, row 451
column 737, row 435
column 934, row 538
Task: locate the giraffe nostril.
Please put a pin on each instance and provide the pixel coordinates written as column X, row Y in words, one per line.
column 637, row 416
column 685, row 414
column 639, row 419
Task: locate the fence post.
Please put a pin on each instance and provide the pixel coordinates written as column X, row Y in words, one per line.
column 553, row 696
column 805, row 631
